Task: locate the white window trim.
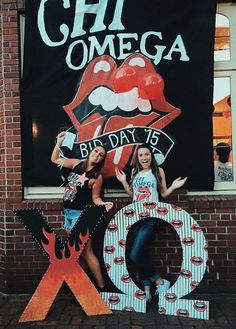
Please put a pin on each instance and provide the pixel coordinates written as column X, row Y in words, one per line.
column 230, row 185
column 46, row 192
column 229, row 10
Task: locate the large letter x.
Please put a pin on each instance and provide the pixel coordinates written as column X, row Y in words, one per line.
column 64, row 265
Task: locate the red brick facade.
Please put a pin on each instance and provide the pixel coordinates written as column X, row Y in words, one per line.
column 22, row 263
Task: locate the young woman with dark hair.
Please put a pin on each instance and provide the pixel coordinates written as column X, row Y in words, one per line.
column 83, row 187
column 147, row 182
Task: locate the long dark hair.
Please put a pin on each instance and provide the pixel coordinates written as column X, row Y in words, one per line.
column 154, row 166
column 95, row 172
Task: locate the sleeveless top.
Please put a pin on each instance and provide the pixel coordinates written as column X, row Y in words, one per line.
column 144, row 186
column 77, row 193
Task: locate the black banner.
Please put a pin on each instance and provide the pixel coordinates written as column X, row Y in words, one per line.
column 107, row 67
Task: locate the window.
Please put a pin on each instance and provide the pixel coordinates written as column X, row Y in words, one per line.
column 224, row 101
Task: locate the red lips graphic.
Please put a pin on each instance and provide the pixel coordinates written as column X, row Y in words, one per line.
column 114, row 299
column 144, row 215
column 129, row 212
column 200, row 306
column 186, row 274
column 139, row 294
column 196, row 260
column 188, row 241
column 122, row 243
column 109, row 249
column 162, row 310
column 162, row 211
column 128, row 309
column 196, row 228
column 108, row 267
column 194, row 284
column 101, row 80
column 119, row 260
column 126, row 278
column 112, row 228
column 171, row 297
column 143, row 192
column 149, row 205
column 177, row 223
column 182, row 312
column 177, row 208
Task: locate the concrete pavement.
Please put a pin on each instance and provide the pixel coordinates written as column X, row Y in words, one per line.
column 64, row 314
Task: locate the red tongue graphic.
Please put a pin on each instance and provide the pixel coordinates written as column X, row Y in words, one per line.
column 103, row 72
column 142, row 193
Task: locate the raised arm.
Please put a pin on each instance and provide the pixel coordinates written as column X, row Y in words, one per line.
column 96, row 193
column 55, row 157
column 121, row 176
column 177, row 183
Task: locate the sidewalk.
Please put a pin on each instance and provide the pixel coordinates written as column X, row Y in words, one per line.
column 66, row 315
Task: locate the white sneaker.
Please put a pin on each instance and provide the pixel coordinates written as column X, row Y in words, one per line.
column 148, row 296
column 162, row 287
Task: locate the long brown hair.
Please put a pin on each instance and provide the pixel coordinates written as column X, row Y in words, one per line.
column 154, row 166
column 95, row 172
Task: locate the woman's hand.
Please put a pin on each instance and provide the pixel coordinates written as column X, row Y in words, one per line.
column 178, row 182
column 108, row 205
column 120, row 175
column 60, row 138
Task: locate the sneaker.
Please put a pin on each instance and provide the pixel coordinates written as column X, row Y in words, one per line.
column 162, row 287
column 148, row 296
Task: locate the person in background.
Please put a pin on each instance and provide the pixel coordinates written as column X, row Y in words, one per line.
column 147, row 182
column 83, row 187
column 222, row 166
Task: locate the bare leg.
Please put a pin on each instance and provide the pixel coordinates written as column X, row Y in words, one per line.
column 93, row 264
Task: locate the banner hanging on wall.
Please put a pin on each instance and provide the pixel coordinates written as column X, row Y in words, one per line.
column 119, row 73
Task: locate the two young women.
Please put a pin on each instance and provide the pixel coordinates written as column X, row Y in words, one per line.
column 83, row 187
column 147, row 182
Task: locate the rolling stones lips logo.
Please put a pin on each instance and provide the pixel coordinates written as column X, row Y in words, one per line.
column 144, row 215
column 196, row 228
column 176, row 207
column 143, row 192
column 119, row 260
column 182, row 312
column 112, row 228
column 200, row 306
column 206, row 247
column 128, row 309
column 128, row 227
column 196, row 260
column 149, row 205
column 107, row 267
column 129, row 212
column 186, row 274
column 114, row 299
column 177, row 223
column 194, row 285
column 171, row 297
column 126, row 278
column 162, row 310
column 139, row 294
column 111, row 98
column 162, row 211
column 189, row 241
column 122, row 243
column 109, row 249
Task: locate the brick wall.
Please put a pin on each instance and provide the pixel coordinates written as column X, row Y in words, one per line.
column 22, row 264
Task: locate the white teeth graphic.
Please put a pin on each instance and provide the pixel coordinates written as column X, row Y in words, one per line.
column 127, row 101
